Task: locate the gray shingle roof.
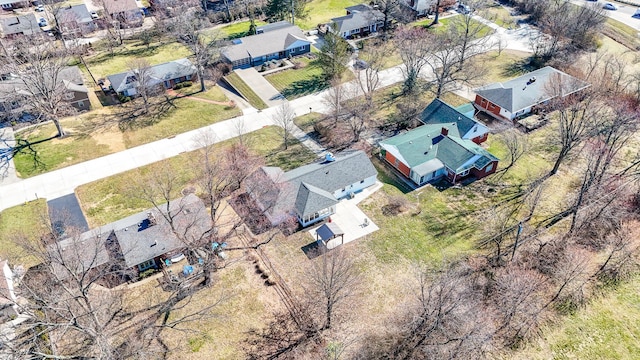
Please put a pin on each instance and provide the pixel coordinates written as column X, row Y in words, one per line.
column 77, row 13
column 310, row 188
column 520, row 93
column 360, row 16
column 439, row 112
column 273, row 26
column 26, row 24
column 137, row 238
column 70, row 77
column 269, row 42
column 159, row 73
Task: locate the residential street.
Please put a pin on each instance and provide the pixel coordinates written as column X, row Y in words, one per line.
column 63, row 181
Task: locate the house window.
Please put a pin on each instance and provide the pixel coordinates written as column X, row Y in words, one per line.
column 396, row 163
column 464, row 173
column 355, row 31
column 301, row 48
column 489, row 167
column 146, row 265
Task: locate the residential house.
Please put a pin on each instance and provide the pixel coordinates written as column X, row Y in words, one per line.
column 164, row 76
column 14, row 93
column 439, row 112
column 274, row 41
column 426, row 7
column 13, row 4
column 311, row 192
column 134, row 244
column 361, row 20
column 17, row 25
column 126, row 12
column 75, row 21
column 8, row 299
column 519, row 96
column 432, row 151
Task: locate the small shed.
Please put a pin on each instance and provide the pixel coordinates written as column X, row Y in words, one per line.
column 329, row 231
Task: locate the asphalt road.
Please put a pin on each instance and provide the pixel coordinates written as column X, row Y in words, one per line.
column 623, row 14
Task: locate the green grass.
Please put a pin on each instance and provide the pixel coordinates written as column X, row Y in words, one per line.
column 607, row 328
column 86, row 139
column 56, row 153
column 105, row 64
column 109, row 199
column 622, row 33
column 499, row 15
column 238, row 30
column 294, row 83
column 21, row 223
column 189, row 115
column 322, row 11
column 306, row 121
column 445, row 23
column 246, row 91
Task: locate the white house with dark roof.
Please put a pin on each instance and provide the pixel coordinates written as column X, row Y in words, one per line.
column 166, row 75
column 75, row 20
column 274, row 41
column 12, row 4
column 361, row 20
column 311, row 192
column 518, row 96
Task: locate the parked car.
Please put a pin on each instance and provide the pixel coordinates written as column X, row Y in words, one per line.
column 42, row 22
column 464, row 9
column 40, row 8
column 610, row 6
column 94, row 15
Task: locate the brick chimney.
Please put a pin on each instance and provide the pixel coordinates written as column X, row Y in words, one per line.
column 444, row 131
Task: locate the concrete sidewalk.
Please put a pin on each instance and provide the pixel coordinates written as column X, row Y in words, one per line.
column 269, row 94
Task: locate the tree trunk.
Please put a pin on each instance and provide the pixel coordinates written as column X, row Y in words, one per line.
column 437, row 17
column 61, row 132
column 203, row 88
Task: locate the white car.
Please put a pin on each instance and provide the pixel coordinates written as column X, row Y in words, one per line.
column 40, row 8
column 94, row 15
column 610, row 6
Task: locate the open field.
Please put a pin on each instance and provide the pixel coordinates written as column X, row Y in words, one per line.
column 98, row 133
column 606, row 328
column 104, row 63
column 113, row 198
column 21, row 223
column 322, row 11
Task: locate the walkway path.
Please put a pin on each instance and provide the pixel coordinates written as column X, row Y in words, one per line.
column 63, row 181
column 269, row 94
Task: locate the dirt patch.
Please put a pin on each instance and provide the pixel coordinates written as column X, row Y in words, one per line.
column 113, row 139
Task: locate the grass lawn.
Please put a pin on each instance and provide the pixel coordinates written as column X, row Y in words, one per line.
column 91, row 136
column 104, row 63
column 238, row 30
column 606, row 328
column 245, row 91
column 446, row 22
column 294, row 83
column 107, row 200
column 21, row 222
column 507, row 65
column 322, row 11
column 306, row 121
column 496, row 13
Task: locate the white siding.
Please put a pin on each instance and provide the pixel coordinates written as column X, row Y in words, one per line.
column 356, row 187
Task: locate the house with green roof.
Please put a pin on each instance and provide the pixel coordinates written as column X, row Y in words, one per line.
column 439, row 112
column 432, row 151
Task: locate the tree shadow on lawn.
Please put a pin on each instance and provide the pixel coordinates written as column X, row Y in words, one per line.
column 26, row 147
column 520, row 67
column 305, row 87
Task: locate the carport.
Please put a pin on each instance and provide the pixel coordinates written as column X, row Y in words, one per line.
column 328, row 232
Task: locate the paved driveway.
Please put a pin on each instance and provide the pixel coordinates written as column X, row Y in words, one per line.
column 261, row 86
column 65, row 212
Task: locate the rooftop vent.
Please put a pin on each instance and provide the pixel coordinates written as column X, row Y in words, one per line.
column 151, row 218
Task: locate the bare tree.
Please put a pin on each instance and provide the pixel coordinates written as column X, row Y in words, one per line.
column 40, row 64
column 334, row 100
column 205, row 47
column 147, row 86
column 414, row 46
column 283, row 118
column 517, row 146
column 374, row 56
column 333, row 279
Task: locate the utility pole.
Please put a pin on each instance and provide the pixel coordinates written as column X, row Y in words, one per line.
column 293, row 14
